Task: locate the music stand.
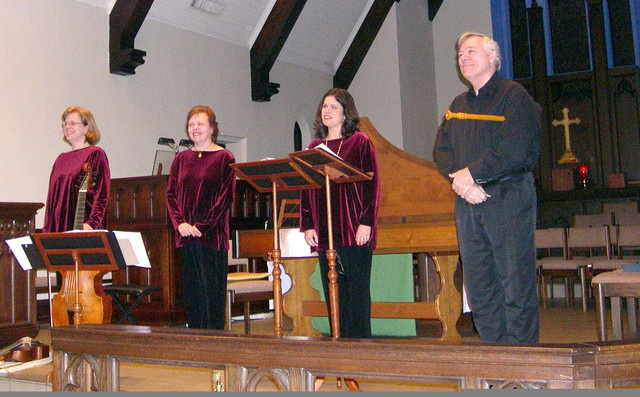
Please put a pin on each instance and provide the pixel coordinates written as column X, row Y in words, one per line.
column 271, row 176
column 95, row 251
column 332, row 168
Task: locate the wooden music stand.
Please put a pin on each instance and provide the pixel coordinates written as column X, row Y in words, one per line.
column 332, row 168
column 271, row 176
column 79, row 251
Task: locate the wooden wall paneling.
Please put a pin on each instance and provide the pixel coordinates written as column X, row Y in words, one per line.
column 519, row 43
column 569, row 36
column 621, row 33
column 575, row 92
column 18, row 305
column 625, row 97
column 250, row 209
column 605, row 97
column 539, row 89
column 139, row 204
column 603, row 108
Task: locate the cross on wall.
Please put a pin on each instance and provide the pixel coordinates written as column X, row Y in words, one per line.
column 568, row 156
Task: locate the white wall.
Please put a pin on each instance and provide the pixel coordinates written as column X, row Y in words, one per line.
column 417, row 78
column 376, row 86
column 55, row 53
column 410, row 75
column 454, row 18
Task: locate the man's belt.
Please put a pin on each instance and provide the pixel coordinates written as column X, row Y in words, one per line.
column 501, row 178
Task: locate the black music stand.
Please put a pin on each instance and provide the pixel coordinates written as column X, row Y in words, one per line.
column 332, row 168
column 76, row 251
column 271, row 176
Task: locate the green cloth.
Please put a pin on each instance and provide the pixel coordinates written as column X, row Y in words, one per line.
column 391, row 281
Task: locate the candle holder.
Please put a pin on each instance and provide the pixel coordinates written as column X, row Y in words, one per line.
column 583, row 171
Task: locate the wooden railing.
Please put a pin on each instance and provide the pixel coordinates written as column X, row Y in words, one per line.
column 87, row 357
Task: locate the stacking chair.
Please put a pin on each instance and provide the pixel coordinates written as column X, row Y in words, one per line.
column 591, row 220
column 626, row 240
column 627, row 218
column 245, row 286
column 584, row 246
column 551, row 244
column 621, row 212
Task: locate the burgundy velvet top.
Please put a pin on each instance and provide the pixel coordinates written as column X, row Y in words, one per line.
column 200, row 192
column 64, row 183
column 352, row 204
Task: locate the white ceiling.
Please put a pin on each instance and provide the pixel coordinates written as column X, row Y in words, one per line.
column 318, row 41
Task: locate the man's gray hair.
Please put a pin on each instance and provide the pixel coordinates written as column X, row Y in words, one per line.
column 490, row 45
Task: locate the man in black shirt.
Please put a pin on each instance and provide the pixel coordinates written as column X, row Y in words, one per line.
column 489, row 163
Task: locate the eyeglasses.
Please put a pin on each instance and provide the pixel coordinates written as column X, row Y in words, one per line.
column 71, row 124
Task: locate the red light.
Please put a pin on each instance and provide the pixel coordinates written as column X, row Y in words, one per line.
column 583, row 175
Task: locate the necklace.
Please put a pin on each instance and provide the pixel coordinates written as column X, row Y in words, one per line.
column 326, row 142
column 205, row 149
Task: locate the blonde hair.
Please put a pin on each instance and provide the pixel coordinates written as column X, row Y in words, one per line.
column 93, row 133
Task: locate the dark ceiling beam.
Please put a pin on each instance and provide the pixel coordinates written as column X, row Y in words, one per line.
column 434, row 6
column 268, row 45
column 125, row 20
column 361, row 43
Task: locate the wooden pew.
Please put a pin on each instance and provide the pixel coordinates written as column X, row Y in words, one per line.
column 294, row 362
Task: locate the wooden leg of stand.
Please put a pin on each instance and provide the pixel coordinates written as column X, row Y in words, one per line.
column 317, row 383
column 277, row 294
column 333, row 294
column 352, row 384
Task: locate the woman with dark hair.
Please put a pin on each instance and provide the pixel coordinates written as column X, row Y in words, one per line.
column 354, row 208
column 81, row 133
column 200, row 191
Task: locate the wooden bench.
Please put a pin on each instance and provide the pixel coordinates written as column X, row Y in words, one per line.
column 294, row 362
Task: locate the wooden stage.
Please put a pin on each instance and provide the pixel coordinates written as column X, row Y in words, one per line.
column 87, row 355
column 415, row 216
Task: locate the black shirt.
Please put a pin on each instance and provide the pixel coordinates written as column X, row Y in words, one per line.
column 489, row 148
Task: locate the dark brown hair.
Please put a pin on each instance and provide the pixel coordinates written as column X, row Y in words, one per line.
column 351, row 117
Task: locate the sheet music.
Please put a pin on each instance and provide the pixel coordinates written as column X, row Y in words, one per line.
column 133, row 249
column 15, row 245
column 326, row 149
column 131, row 245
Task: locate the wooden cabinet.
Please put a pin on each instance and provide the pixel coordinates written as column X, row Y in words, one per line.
column 17, row 287
column 139, row 204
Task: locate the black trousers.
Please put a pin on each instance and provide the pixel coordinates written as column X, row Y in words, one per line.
column 204, row 285
column 497, row 249
column 353, row 265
